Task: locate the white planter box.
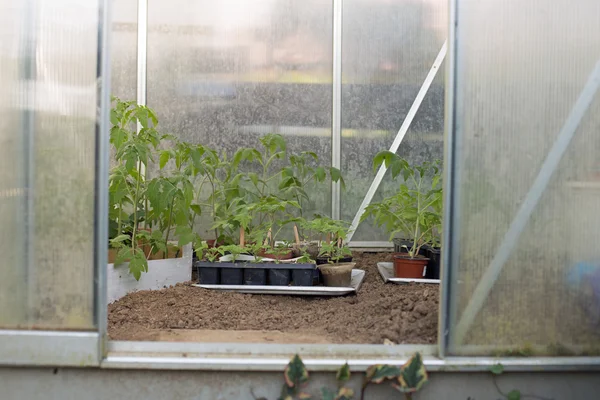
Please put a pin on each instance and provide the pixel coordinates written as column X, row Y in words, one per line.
column 160, row 273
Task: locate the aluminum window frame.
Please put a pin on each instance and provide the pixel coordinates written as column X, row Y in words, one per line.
column 52, row 348
column 78, row 348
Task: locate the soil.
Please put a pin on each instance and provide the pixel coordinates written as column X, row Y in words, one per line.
column 398, row 313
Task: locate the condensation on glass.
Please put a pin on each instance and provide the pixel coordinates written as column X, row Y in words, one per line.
column 225, row 73
column 520, row 68
column 124, row 48
column 48, row 70
column 388, row 48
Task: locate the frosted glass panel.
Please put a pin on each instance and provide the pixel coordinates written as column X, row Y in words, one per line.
column 521, row 67
column 388, row 49
column 48, row 70
column 124, row 48
column 224, row 73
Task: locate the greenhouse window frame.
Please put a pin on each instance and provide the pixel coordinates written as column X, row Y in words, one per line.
column 94, row 349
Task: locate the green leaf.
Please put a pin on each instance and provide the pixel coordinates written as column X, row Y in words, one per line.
column 196, row 208
column 138, row 264
column 327, row 394
column 379, row 373
column 185, row 234
column 120, row 238
column 114, row 119
column 295, row 373
column 343, row 374
column 336, row 174
column 497, row 369
column 118, row 136
column 320, row 174
column 413, row 375
column 514, row 395
column 142, row 116
column 344, row 394
column 165, row 156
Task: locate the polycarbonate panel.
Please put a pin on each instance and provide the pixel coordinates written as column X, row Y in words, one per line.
column 225, row 73
column 388, row 48
column 48, row 70
column 521, row 67
column 124, row 48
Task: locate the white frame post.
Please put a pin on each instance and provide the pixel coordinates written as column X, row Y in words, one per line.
column 336, row 109
column 399, row 137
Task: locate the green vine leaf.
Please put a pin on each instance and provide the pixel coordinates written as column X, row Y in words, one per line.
column 413, row 375
column 295, row 373
column 497, row 369
column 343, row 374
column 514, row 395
column 378, row 373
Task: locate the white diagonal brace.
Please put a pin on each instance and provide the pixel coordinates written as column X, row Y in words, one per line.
column 399, row 136
column 534, row 195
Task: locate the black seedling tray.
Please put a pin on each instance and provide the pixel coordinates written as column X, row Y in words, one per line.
column 246, row 273
column 433, row 265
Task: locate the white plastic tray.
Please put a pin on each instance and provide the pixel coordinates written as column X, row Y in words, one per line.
column 358, row 276
column 386, row 270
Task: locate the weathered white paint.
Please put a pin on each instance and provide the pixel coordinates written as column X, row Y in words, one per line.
column 160, row 273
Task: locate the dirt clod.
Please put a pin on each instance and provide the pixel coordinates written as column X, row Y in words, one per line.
column 394, row 313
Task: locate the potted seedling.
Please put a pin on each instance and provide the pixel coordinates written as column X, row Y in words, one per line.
column 334, row 257
column 413, row 211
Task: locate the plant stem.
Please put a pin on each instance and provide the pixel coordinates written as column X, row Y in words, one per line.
column 135, row 207
column 168, row 228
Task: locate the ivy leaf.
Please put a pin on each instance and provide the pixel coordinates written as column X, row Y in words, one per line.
column 343, row 374
column 514, row 395
column 295, row 373
column 497, row 369
column 344, row 394
column 379, row 373
column 327, row 394
column 413, row 375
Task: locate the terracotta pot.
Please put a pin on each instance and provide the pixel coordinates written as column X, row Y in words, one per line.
column 337, row 275
column 407, row 267
column 210, row 243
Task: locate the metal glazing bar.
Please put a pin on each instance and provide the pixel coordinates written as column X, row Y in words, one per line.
column 528, row 206
column 142, row 52
column 28, row 80
column 399, row 137
column 102, row 166
column 336, row 110
column 142, row 60
column 451, row 220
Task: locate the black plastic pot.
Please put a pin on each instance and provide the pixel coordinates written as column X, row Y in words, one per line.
column 279, row 277
column 208, row 275
column 325, row 260
column 255, row 274
column 302, row 277
column 433, row 266
column 245, row 273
